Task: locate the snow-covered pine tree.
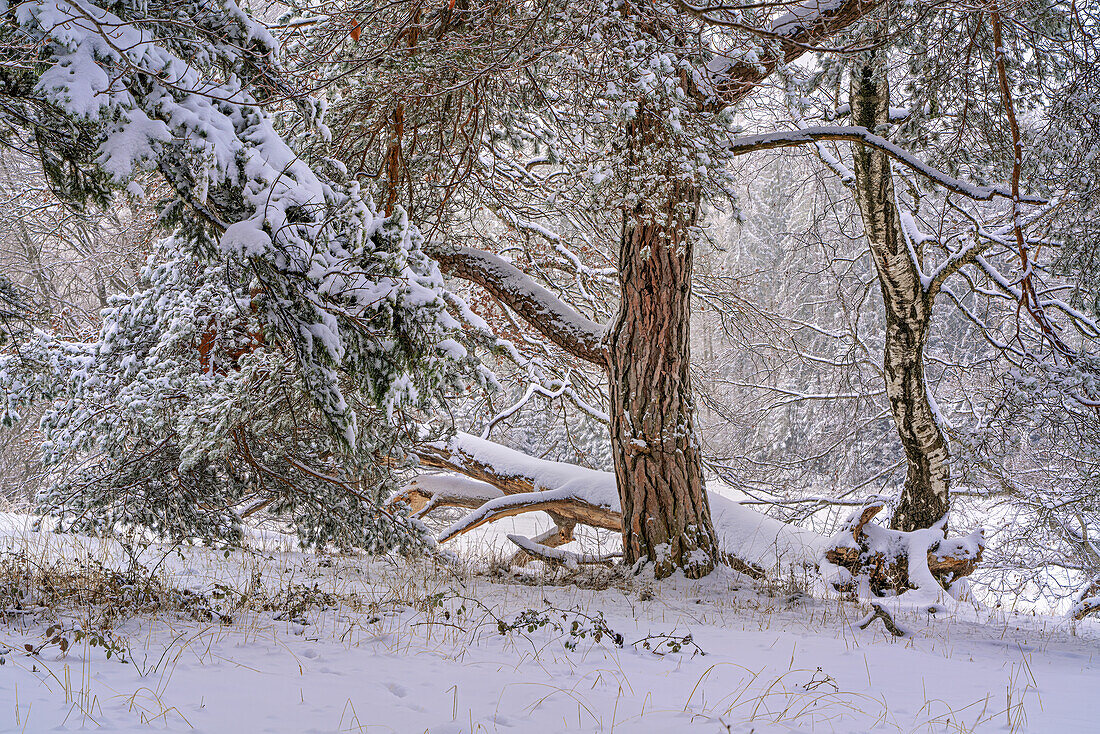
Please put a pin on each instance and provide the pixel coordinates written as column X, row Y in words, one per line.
column 280, row 308
column 186, row 415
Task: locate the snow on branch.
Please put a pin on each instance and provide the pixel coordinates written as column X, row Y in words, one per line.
column 431, row 491
column 1082, row 320
column 182, row 88
column 555, row 319
column 801, row 29
column 561, row 501
column 509, row 470
column 557, row 555
column 532, row 389
column 812, row 135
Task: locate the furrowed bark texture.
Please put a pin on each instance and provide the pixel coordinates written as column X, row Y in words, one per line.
column 658, row 466
column 925, row 496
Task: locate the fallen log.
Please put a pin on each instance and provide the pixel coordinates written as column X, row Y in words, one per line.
column 505, row 483
column 1087, row 601
column 501, row 482
column 425, row 494
column 556, row 502
column 509, row 471
column 512, row 472
column 880, row 556
column 751, row 543
column 429, row 492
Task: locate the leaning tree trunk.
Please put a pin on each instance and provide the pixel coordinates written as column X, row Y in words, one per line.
column 924, row 499
column 658, row 464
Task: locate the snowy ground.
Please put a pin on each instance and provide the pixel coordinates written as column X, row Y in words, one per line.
column 418, row 648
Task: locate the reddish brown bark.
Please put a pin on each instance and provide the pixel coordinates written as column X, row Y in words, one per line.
column 392, row 163
column 658, row 464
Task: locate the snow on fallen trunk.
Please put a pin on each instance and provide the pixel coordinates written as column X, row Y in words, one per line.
column 761, row 540
column 760, row 543
column 514, row 471
column 563, row 501
column 915, row 567
column 1087, row 601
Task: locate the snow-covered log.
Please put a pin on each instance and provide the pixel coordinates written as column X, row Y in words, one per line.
column 862, row 557
column 873, row 560
column 510, row 471
column 429, row 492
column 750, row 542
column 1087, row 602
column 561, row 502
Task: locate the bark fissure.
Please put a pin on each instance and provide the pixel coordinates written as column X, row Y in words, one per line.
column 658, row 463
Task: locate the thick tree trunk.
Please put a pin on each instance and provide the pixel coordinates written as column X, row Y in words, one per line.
column 658, row 465
column 908, row 303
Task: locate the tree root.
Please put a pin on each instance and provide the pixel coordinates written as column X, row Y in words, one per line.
column 887, row 620
column 1087, row 602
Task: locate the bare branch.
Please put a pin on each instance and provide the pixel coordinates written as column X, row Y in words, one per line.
column 811, row 135
column 559, row 502
column 556, row 555
column 792, row 35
